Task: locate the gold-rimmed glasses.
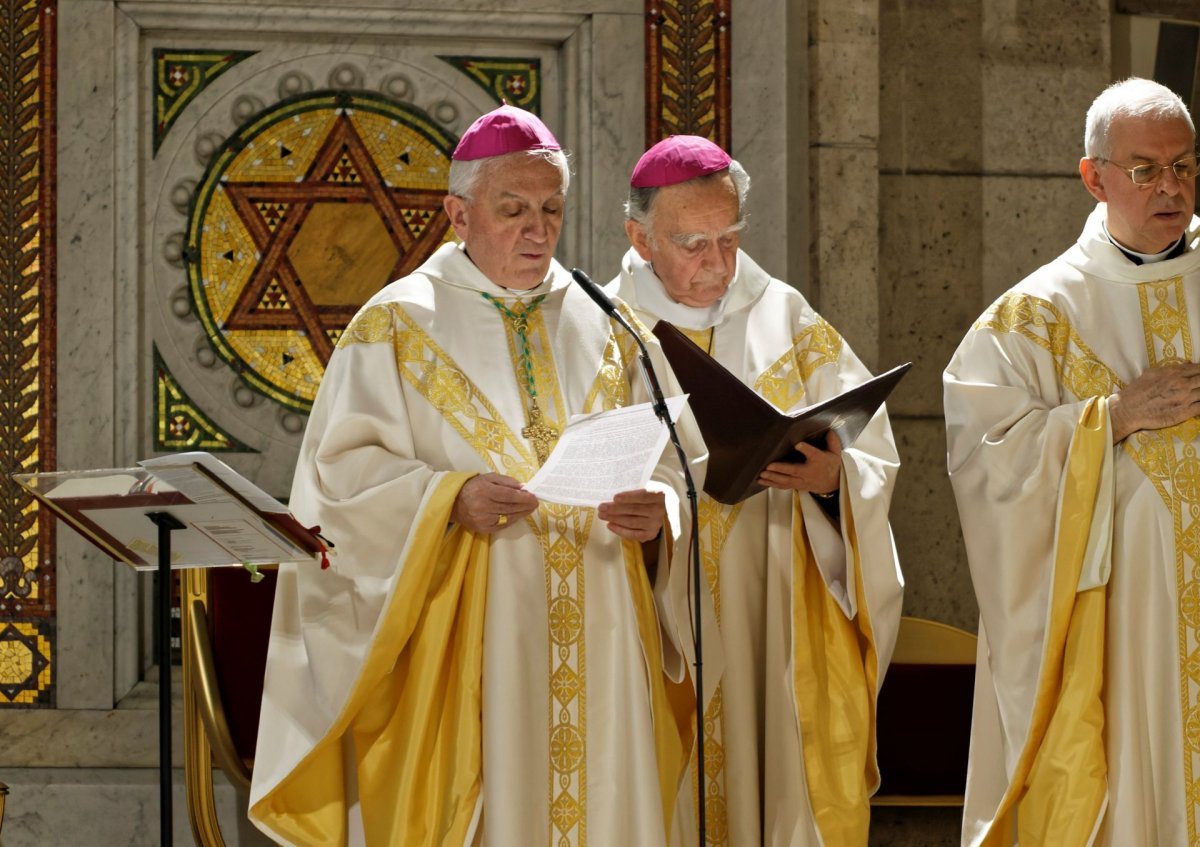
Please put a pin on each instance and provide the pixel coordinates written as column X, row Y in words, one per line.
column 1147, row 175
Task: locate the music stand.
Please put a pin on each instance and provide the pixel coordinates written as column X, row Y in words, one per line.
column 173, row 512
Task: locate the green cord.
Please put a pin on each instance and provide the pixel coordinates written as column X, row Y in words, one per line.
column 521, row 324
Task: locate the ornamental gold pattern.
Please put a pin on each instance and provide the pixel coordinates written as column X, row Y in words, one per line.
column 27, row 208
column 1043, row 323
column 688, row 69
column 782, row 384
column 562, row 531
column 716, row 523
column 302, row 215
column 1168, row 457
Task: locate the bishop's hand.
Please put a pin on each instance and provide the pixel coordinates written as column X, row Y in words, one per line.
column 1160, row 397
column 490, row 502
column 639, row 515
column 820, row 473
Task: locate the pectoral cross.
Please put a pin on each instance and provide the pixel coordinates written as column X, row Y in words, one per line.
column 540, row 434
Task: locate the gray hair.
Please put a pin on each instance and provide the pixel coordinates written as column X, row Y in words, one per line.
column 637, row 207
column 465, row 176
column 1131, row 98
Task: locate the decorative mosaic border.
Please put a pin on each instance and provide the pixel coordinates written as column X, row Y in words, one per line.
column 179, row 424
column 27, row 354
column 178, row 77
column 688, row 58
column 515, row 81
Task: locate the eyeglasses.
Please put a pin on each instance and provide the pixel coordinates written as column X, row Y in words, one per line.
column 1185, row 168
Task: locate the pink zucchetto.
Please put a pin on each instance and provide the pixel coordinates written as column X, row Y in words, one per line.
column 504, row 130
column 678, row 158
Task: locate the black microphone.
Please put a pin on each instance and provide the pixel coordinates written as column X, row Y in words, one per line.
column 602, row 300
column 595, row 292
column 660, row 408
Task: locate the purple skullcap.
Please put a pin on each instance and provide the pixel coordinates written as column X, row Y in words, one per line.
column 504, row 130
column 678, row 158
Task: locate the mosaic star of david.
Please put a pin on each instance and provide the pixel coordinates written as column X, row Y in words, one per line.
column 305, row 213
column 275, row 215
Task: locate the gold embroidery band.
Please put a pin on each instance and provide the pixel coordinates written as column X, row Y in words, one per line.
column 1167, row 457
column 562, row 531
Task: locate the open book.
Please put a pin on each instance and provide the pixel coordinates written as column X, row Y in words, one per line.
column 227, row 519
column 744, row 433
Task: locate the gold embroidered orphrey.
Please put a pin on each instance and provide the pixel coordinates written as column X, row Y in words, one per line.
column 562, row 531
column 1166, row 456
column 782, row 384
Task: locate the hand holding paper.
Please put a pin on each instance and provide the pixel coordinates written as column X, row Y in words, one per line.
column 601, row 455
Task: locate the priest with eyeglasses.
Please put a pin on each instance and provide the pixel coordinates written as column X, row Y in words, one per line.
column 1074, row 452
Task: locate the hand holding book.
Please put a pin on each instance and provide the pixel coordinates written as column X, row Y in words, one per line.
column 744, row 433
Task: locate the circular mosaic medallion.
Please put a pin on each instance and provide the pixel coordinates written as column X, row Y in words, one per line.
column 306, row 211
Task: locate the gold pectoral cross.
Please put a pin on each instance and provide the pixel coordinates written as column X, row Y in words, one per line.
column 540, row 434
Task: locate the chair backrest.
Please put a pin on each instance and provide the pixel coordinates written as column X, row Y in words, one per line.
column 239, row 614
column 226, row 626
column 924, row 716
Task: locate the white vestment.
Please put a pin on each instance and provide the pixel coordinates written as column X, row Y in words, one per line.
column 559, row 684
column 1085, row 556
column 765, row 333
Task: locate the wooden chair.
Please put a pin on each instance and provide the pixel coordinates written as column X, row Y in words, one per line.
column 924, row 716
column 226, row 623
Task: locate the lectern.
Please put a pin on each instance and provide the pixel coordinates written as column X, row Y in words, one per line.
column 186, row 510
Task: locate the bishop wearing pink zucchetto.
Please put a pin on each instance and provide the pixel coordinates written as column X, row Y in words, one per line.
column 803, row 575
column 477, row 666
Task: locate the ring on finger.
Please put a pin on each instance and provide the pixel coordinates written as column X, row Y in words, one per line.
column 501, row 520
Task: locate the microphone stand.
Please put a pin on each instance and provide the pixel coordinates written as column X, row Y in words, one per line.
column 659, row 404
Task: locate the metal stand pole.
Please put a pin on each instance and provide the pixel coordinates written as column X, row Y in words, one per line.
column 166, row 524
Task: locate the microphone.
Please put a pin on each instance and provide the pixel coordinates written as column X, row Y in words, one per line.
column 602, row 300
column 595, row 292
column 660, row 408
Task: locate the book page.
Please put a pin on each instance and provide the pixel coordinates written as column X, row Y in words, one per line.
column 602, row 454
column 179, row 470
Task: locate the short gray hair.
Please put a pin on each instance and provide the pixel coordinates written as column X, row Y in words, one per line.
column 465, row 176
column 1130, row 98
column 637, row 207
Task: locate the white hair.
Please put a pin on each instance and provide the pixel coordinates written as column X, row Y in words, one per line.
column 637, row 207
column 465, row 176
column 1130, row 98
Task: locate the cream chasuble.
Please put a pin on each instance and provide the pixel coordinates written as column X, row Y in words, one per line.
column 1085, row 556
column 808, row 609
column 437, row 687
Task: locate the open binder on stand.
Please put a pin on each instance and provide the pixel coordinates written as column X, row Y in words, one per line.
column 186, row 510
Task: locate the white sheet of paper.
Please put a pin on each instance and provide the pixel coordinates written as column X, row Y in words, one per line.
column 177, row 470
column 602, row 454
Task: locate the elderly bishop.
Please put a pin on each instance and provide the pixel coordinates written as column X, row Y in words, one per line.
column 804, row 575
column 478, row 667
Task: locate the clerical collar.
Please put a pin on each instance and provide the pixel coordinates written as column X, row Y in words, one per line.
column 1172, row 252
column 652, row 296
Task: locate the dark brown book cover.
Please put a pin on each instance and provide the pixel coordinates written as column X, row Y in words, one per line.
column 744, row 433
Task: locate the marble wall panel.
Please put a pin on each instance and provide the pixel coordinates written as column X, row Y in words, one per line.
column 925, row 524
column 88, row 333
column 87, row 738
column 1028, row 221
column 770, row 106
column 931, row 90
column 109, row 807
column 617, row 118
column 930, row 266
column 844, row 239
column 1041, row 70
